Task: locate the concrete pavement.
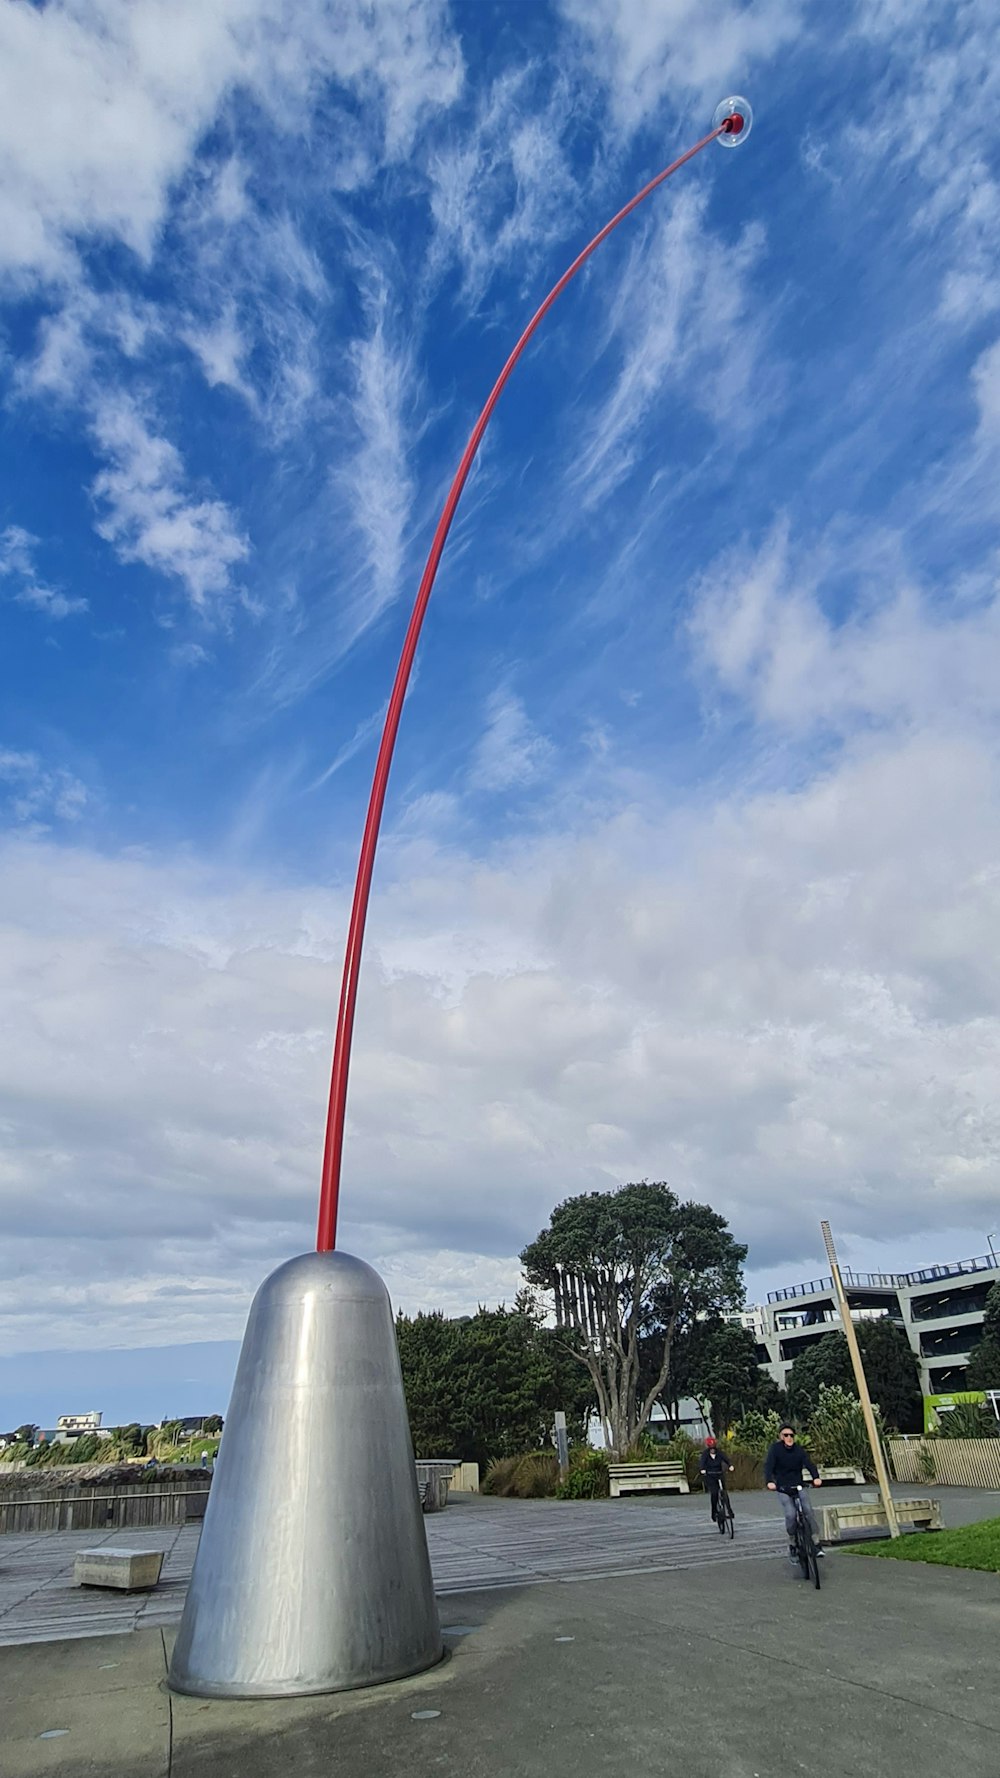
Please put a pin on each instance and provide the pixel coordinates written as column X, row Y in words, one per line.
column 739, row 1669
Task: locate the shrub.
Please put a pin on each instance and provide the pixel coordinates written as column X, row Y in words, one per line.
column 531, row 1477
column 926, row 1466
column 837, row 1432
column 588, row 1475
column 748, row 1471
column 755, row 1432
column 968, row 1419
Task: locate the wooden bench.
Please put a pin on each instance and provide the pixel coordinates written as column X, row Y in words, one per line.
column 113, row 1565
column 642, row 1478
column 433, row 1481
column 923, row 1515
column 834, row 1473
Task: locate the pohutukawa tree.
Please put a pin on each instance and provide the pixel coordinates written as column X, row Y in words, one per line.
column 603, row 1260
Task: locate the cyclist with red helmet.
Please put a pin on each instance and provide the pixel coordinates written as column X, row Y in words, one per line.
column 712, row 1463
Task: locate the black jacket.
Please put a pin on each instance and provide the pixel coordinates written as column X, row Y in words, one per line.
column 712, row 1463
column 784, row 1464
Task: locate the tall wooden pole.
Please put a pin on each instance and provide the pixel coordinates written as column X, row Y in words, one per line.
column 865, row 1399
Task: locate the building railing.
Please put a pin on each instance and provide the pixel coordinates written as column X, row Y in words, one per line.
column 887, row 1280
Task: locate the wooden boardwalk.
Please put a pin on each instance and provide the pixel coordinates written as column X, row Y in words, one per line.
column 476, row 1544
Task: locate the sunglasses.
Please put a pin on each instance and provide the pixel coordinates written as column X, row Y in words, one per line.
column 790, row 1435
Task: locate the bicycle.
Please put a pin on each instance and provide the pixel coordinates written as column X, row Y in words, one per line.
column 725, row 1518
column 805, row 1542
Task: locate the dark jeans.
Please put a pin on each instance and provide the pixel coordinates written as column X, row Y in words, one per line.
column 713, row 1483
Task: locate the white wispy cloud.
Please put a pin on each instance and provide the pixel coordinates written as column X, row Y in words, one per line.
column 375, row 477
column 148, row 514
column 36, row 794
column 221, row 349
column 930, row 117
column 502, row 189
column 17, row 566
column 510, row 752
column 680, row 329
column 760, row 627
column 648, row 53
column 986, row 389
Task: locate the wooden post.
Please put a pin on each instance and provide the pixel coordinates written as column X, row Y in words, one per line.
column 865, row 1399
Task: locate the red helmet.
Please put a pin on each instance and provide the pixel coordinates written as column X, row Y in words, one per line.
column 710, row 1440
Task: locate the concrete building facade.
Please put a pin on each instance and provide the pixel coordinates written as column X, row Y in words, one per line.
column 940, row 1309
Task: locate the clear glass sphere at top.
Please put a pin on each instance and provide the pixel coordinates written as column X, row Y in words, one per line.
column 734, row 108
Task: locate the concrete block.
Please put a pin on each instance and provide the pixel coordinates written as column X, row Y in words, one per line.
column 115, row 1566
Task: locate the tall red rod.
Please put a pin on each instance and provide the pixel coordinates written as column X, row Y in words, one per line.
column 326, row 1235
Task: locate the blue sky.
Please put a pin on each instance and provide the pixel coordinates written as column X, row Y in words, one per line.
column 690, row 860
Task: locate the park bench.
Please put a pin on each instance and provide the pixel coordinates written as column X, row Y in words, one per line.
column 641, row 1478
column 113, row 1565
column 837, row 1473
column 860, row 1515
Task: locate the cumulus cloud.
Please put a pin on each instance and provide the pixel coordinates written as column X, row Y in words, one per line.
column 147, row 512
column 761, row 628
column 785, row 1003
column 129, row 86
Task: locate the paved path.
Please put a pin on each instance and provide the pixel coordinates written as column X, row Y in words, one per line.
column 476, row 1544
column 737, row 1672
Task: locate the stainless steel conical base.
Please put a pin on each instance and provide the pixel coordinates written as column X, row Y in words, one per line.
column 312, row 1573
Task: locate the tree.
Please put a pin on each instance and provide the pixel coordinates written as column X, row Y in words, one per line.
column 27, row 1434
column 824, row 1363
column 488, row 1385
column 428, row 1356
column 892, row 1373
column 984, row 1361
column 890, row 1368
column 723, row 1372
column 212, row 1424
column 626, row 1272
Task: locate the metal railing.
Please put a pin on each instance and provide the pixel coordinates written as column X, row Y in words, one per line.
column 887, row 1280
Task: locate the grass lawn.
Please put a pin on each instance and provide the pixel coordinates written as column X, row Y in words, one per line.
column 972, row 1546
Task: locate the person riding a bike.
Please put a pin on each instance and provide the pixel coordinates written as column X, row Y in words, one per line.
column 783, row 1466
column 712, row 1464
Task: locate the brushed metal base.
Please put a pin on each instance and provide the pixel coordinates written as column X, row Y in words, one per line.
column 312, row 1573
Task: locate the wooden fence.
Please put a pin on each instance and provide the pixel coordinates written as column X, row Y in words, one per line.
column 949, row 1462
column 466, row 1478
column 103, row 1508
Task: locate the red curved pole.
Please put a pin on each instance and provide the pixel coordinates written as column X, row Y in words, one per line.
column 326, row 1234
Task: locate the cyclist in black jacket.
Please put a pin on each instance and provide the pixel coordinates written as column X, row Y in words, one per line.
column 712, row 1463
column 783, row 1466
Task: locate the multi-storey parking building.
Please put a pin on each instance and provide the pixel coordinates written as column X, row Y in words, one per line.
column 940, row 1308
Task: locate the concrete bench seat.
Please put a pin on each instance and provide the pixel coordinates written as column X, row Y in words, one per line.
column 113, row 1565
column 860, row 1515
column 642, row 1478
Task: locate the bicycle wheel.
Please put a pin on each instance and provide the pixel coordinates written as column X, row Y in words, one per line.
column 807, row 1553
column 730, row 1518
column 720, row 1513
column 802, row 1543
column 813, row 1564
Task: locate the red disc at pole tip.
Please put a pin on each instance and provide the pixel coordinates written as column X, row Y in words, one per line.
column 734, row 117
